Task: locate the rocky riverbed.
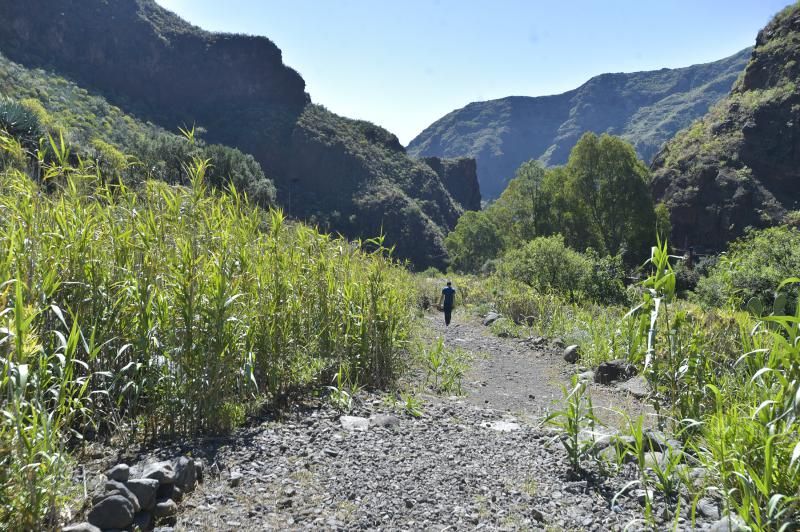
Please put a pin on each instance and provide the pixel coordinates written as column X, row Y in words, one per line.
column 483, row 461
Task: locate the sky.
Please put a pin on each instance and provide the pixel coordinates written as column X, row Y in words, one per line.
column 404, row 64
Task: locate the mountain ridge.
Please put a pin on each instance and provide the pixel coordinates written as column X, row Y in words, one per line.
column 151, row 63
column 643, row 107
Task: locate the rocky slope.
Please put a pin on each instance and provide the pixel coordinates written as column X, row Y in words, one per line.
column 645, row 108
column 350, row 176
column 739, row 165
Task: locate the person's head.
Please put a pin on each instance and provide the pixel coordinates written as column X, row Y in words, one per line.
column 449, row 283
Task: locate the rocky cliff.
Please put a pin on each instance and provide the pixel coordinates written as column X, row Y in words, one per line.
column 645, row 108
column 351, row 176
column 739, row 165
column 460, row 178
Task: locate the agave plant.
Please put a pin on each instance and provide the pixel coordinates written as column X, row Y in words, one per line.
column 21, row 123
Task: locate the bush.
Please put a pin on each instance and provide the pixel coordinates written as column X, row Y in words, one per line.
column 753, row 267
column 21, row 123
column 545, row 264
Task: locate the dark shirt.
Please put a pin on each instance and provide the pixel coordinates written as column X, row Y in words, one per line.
column 449, row 294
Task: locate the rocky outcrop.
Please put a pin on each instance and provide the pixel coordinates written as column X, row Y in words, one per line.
column 739, row 166
column 347, row 176
column 460, row 178
column 645, row 108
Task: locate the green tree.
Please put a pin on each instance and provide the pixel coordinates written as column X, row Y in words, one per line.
column 609, row 187
column 475, row 240
column 523, row 209
column 546, row 263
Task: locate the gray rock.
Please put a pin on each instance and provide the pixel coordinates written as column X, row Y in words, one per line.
column 572, row 354
column 653, row 459
column 113, row 485
column 103, row 495
column 198, row 467
column 614, row 370
column 169, row 491
column 730, row 523
column 81, row 527
column 354, row 423
column 235, row 479
column 165, row 508
column 383, row 420
column 143, row 521
column 637, row 387
column 115, row 511
column 491, row 318
column 145, row 490
column 120, row 473
column 163, row 472
column 586, row 376
column 503, row 426
column 185, row 474
column 708, row 508
column 642, row 495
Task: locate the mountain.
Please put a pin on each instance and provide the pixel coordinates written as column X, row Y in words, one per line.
column 739, row 165
column 349, row 176
column 645, row 108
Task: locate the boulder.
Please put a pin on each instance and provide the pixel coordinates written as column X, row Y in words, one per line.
column 637, row 387
column 572, row 354
column 163, row 472
column 185, row 474
column 730, row 523
column 491, row 318
column 614, row 370
column 235, row 479
column 165, row 508
column 586, row 376
column 383, row 420
column 81, row 527
column 169, row 491
column 143, row 521
column 145, row 490
column 708, row 507
column 114, row 511
column 113, row 485
column 120, row 473
column 198, row 467
column 354, row 423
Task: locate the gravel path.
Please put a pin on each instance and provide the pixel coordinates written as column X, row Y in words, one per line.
column 480, row 462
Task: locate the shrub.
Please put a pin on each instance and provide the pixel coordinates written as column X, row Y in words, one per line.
column 21, row 123
column 546, row 263
column 752, row 268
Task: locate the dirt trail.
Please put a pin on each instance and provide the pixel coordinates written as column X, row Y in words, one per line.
column 523, row 378
column 479, row 462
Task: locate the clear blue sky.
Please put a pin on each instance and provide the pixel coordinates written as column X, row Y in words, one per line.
column 403, row 64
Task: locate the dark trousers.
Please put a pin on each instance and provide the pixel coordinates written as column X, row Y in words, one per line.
column 448, row 313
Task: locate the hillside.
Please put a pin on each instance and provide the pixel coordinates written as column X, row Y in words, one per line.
column 645, row 108
column 350, row 176
column 739, row 165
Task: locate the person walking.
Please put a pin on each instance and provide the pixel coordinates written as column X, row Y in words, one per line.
column 447, row 301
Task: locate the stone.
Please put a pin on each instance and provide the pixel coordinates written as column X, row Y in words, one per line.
column 586, row 376
column 165, row 508
column 143, row 521
column 614, row 370
column 235, row 479
column 354, row 423
column 490, row 318
column 503, row 426
column 653, row 459
column 114, row 511
column 163, row 472
column 383, row 420
column 145, row 490
column 637, row 387
column 185, row 474
column 169, row 491
column 81, row 527
column 707, row 507
column 198, row 467
column 104, row 494
column 642, row 495
column 120, row 473
column 730, row 523
column 113, row 485
column 572, row 354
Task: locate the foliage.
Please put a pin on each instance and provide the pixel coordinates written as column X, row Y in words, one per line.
column 752, row 268
column 599, row 200
column 445, row 368
column 121, row 308
column 20, row 122
column 576, row 422
column 546, row 264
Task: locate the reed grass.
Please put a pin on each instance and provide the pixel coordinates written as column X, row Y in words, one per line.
column 165, row 310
